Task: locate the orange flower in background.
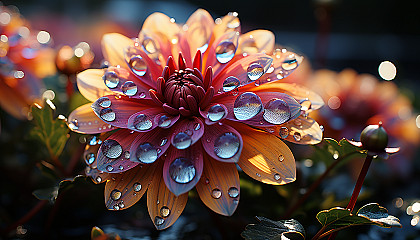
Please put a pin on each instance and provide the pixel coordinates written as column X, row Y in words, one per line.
column 185, row 104
column 25, row 58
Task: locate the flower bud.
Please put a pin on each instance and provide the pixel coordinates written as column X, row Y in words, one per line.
column 374, row 138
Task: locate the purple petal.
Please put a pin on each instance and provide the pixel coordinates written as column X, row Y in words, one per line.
column 187, row 132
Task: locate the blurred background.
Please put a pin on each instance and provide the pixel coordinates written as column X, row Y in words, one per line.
column 331, row 34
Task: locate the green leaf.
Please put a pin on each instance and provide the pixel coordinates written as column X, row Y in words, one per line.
column 379, row 215
column 53, row 133
column 341, row 148
column 268, row 229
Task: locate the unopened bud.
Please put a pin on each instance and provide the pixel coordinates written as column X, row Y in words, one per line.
column 374, row 138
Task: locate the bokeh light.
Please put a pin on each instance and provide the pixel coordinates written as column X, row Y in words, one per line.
column 387, row 70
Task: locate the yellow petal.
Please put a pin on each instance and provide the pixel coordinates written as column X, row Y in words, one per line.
column 91, row 85
column 256, row 41
column 113, row 46
column 162, row 25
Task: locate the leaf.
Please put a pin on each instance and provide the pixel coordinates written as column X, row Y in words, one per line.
column 53, row 133
column 49, row 194
column 379, row 215
column 341, row 148
column 69, row 183
column 268, row 229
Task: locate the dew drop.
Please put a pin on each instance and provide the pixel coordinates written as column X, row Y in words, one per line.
column 225, row 51
column 116, row 207
column 215, row 113
column 129, row 88
column 163, row 142
column 111, row 79
column 115, row 194
column 165, row 211
column 246, row 106
column 109, row 168
column 276, row 111
column 284, row 132
column 121, row 167
column 277, row 177
column 142, row 122
column 297, row 136
column 255, row 71
column 277, row 53
column 98, row 179
column 142, row 95
column 258, row 175
column 231, row 83
column 146, row 153
column 89, row 158
column 164, row 121
column 149, row 45
column 137, row 187
column 290, row 63
column 216, row 193
column 111, row 148
column 121, row 205
column 281, row 158
column 107, row 114
column 234, row 23
column 159, row 221
column 235, row 201
column 226, row 145
column 182, row 140
column 182, row 170
column 233, row 192
column 74, row 124
column 197, row 126
column 138, row 65
column 127, row 154
column 104, row 102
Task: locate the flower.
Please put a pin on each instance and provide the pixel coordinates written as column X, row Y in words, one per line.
column 25, row 58
column 188, row 103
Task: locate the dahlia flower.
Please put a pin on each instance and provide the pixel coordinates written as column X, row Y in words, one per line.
column 185, row 104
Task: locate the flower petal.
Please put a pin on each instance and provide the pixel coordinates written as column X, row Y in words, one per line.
column 156, row 47
column 161, row 25
column 143, row 121
column 187, row 132
column 97, row 176
column 219, row 187
column 257, row 41
column 222, row 51
column 222, row 142
column 126, row 83
column 84, row 120
column 146, row 69
column 124, row 190
column 183, row 168
column 91, row 85
column 200, row 26
column 269, row 161
column 149, row 146
column 114, row 154
column 214, row 113
column 113, row 45
column 164, row 207
column 228, row 23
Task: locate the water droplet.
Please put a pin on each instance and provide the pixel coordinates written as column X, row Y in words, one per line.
column 277, row 53
column 129, row 88
column 127, row 154
column 258, row 175
column 109, row 168
column 182, row 170
column 116, row 207
column 121, row 167
column 98, row 179
column 111, row 79
column 226, row 145
column 235, row 201
column 182, row 140
column 74, row 124
column 234, row 23
column 138, row 65
column 142, row 95
column 207, row 181
column 247, row 106
column 111, row 148
column 225, row 51
column 322, row 128
column 255, row 71
column 197, row 126
column 157, row 202
column 231, row 83
column 163, row 142
column 290, row 63
column 146, row 153
column 137, row 187
column 233, row 192
column 276, row 111
column 90, row 158
column 142, row 122
column 277, row 177
column 281, row 158
column 297, row 136
column 121, row 205
column 159, row 221
column 164, row 121
column 216, row 193
column 149, row 45
column 216, row 112
column 165, row 211
column 104, row 102
column 284, row 132
column 115, row 194
column 107, row 114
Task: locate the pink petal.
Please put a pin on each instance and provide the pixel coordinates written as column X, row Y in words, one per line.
column 162, row 120
column 128, row 83
column 156, row 47
column 200, row 25
column 222, row 51
column 143, row 121
column 228, row 23
column 142, row 66
column 149, row 146
column 161, row 25
column 84, row 120
column 114, row 154
column 222, row 142
column 186, row 132
column 257, row 41
column 183, row 168
column 91, row 85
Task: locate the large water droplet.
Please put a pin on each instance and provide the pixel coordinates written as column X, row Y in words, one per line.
column 107, row 114
column 277, row 177
column 129, row 88
column 290, row 63
column 297, row 136
column 233, row 192
column 215, row 113
column 137, row 187
column 111, row 79
column 89, row 158
column 164, row 121
column 115, row 194
column 159, row 221
column 149, row 45
column 226, row 145
column 255, row 71
column 284, row 132
column 142, row 122
column 138, row 65
column 111, row 148
column 104, row 102
column 182, row 170
column 247, row 106
column 146, row 153
column 225, row 51
column 281, row 158
column 276, row 111
column 127, row 154
column 231, row 83
column 182, row 140
column 216, row 193
column 165, row 211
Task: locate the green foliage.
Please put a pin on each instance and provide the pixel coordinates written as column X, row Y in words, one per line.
column 268, row 229
column 52, row 193
column 342, row 148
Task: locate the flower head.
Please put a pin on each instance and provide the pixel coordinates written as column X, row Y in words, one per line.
column 189, row 103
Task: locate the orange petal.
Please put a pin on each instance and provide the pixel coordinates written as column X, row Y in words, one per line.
column 162, row 25
column 113, row 46
column 200, row 26
column 219, row 186
column 228, row 23
column 124, row 190
column 91, row 85
column 264, row 157
column 257, row 41
column 84, row 120
column 164, row 207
